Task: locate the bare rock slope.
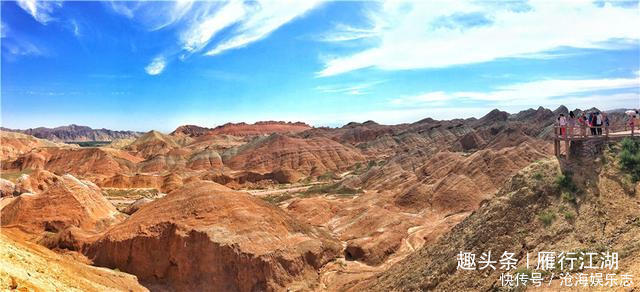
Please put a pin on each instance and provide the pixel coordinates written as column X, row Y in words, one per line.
column 205, row 237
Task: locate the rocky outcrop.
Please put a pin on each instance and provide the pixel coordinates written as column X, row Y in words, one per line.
column 75, row 133
column 135, row 206
column 205, row 159
column 259, row 128
column 530, row 214
column 28, row 266
column 164, row 183
column 190, row 130
column 313, row 156
column 66, row 202
column 7, row 188
column 87, row 162
column 205, row 237
column 13, row 145
column 153, row 143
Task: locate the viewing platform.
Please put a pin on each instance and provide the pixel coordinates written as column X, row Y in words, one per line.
column 585, row 134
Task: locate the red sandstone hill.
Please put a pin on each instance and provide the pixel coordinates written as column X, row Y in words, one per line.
column 313, row 156
column 86, row 162
column 153, row 143
column 259, row 128
column 26, row 266
column 65, row 202
column 13, row 144
column 190, row 130
column 205, row 237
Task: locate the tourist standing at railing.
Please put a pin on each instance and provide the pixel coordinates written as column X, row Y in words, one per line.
column 562, row 122
column 599, row 123
column 632, row 119
column 592, row 121
column 571, row 123
column 582, row 121
column 635, row 121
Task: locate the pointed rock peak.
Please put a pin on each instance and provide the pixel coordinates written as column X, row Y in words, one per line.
column 154, row 133
column 495, row 115
column 351, row 125
column 561, row 110
column 426, row 120
column 190, row 130
column 593, row 109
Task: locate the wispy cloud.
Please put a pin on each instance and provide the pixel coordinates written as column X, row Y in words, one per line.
column 200, row 23
column 156, row 66
column 343, row 32
column 261, row 19
column 435, row 34
column 40, row 10
column 350, row 89
column 528, row 93
column 75, row 28
column 152, row 15
column 20, row 47
column 4, row 29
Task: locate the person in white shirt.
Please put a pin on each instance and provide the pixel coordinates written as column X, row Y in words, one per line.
column 599, row 123
column 562, row 121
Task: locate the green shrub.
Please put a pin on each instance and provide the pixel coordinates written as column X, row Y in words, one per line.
column 537, row 176
column 568, row 215
column 329, row 175
column 569, row 197
column 630, row 144
column 630, row 158
column 564, row 182
column 335, row 188
column 278, row 198
column 547, row 218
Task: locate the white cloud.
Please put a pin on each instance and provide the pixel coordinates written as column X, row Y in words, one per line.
column 75, row 28
column 156, row 66
column 199, row 23
column 539, row 92
column 434, row 34
column 343, row 32
column 352, row 89
column 196, row 37
column 261, row 19
column 153, row 15
column 40, row 10
column 21, row 47
column 4, row 29
column 126, row 8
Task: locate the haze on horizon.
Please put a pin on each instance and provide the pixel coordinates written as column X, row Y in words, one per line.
column 157, row 65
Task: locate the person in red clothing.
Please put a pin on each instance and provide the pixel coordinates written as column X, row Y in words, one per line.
column 582, row 122
column 562, row 122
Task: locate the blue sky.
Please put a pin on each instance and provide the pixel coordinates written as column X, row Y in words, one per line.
column 158, row 65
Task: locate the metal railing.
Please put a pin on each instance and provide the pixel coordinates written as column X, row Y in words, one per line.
column 585, row 131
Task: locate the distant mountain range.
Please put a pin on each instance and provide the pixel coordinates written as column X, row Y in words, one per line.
column 76, row 133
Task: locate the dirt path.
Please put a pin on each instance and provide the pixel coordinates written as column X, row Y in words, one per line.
column 289, row 189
